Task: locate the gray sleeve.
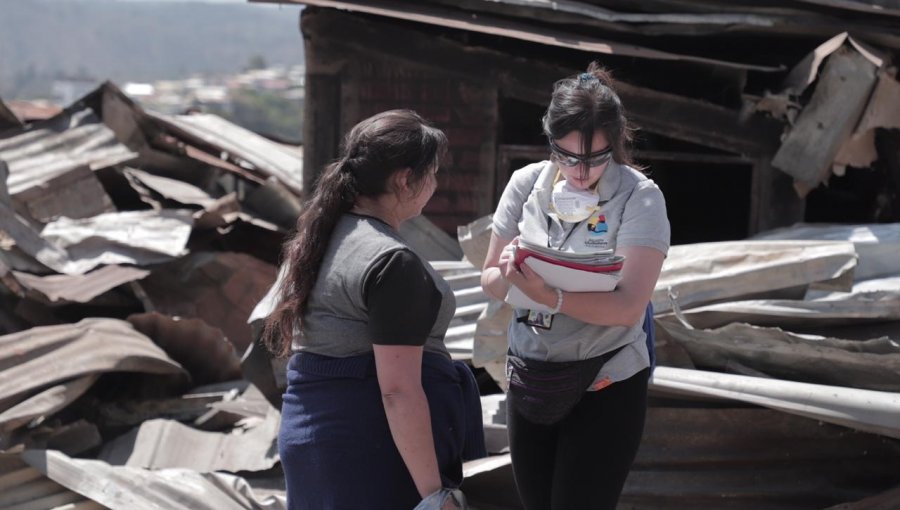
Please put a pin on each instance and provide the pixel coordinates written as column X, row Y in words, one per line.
column 509, row 209
column 644, row 222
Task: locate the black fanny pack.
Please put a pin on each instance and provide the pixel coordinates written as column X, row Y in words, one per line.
column 544, row 392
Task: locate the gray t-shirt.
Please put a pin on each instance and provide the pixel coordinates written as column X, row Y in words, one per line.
column 632, row 213
column 338, row 320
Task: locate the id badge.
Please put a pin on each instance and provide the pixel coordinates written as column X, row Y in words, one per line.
column 543, row 320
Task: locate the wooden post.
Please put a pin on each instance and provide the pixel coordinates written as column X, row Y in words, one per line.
column 321, row 111
column 773, row 201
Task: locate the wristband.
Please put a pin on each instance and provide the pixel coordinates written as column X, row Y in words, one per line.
column 559, row 301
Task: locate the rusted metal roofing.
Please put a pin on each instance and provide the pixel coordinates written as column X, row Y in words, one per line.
column 58, row 145
column 172, row 189
column 78, row 288
column 75, row 194
column 431, row 14
column 222, row 288
column 41, row 367
column 248, row 149
column 31, row 111
column 203, row 350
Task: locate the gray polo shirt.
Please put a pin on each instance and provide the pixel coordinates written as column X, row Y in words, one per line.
column 632, row 213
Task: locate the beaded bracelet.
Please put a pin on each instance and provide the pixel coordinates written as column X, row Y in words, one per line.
column 559, row 301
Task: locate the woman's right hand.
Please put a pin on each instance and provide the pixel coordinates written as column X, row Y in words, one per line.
column 506, row 262
column 496, row 262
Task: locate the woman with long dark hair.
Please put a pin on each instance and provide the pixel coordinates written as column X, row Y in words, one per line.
column 375, row 413
column 578, row 379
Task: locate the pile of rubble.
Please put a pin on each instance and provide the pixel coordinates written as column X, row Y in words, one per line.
column 133, row 247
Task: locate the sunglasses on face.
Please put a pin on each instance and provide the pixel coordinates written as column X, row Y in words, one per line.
column 571, row 160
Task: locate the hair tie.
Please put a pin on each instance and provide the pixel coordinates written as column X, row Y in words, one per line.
column 586, row 78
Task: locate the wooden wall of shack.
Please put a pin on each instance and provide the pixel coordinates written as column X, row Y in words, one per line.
column 701, row 135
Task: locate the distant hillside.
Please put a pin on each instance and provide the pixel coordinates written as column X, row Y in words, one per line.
column 137, row 41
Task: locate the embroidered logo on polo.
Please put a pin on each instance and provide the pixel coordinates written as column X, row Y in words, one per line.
column 597, row 229
column 597, row 225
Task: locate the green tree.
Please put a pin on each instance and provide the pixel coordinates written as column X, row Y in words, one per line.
column 267, row 113
column 256, row 62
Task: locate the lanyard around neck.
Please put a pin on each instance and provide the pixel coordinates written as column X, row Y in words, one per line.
column 568, row 234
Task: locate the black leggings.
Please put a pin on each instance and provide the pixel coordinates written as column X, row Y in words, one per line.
column 582, row 461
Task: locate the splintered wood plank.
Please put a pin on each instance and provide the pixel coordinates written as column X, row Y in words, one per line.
column 828, row 120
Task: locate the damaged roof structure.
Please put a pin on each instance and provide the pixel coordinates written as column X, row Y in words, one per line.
column 789, row 111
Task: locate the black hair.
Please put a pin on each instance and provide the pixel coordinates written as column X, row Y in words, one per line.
column 586, row 102
column 370, row 154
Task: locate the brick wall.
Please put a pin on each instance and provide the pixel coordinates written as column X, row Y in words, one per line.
column 465, row 109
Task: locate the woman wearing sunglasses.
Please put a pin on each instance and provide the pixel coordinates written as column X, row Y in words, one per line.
column 578, row 382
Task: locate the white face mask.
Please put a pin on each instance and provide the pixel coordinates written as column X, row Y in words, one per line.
column 572, row 204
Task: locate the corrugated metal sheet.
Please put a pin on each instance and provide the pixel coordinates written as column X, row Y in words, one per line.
column 705, row 272
column 45, row 403
column 836, row 310
column 236, row 143
column 74, row 194
column 465, row 280
column 24, row 487
column 876, row 244
column 78, row 288
column 772, row 352
column 428, row 241
column 58, row 145
column 128, row 237
column 32, row 360
column 866, row 410
column 172, row 189
column 158, row 444
column 140, row 489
